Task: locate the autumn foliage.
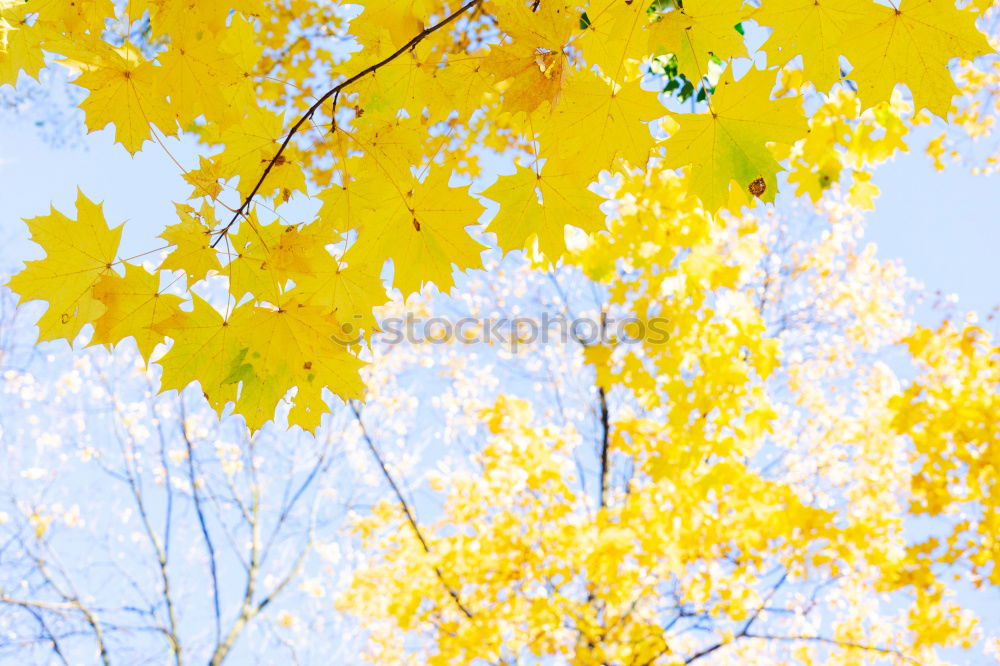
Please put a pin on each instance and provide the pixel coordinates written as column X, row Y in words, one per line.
column 379, row 134
column 641, row 144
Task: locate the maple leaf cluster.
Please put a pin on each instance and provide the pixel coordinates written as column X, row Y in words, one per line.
column 380, row 111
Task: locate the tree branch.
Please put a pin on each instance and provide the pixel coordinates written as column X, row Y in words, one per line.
column 335, row 93
column 47, row 634
column 202, row 523
column 809, row 639
column 406, row 510
column 72, row 601
column 605, row 439
column 135, row 486
column 247, row 609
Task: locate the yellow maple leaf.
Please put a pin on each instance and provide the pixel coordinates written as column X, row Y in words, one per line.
column 601, row 121
column 390, row 147
column 384, row 26
column 205, row 349
column 701, row 29
column 523, row 217
column 911, row 44
column 20, row 47
column 615, row 39
column 251, row 142
column 417, row 81
column 124, row 92
column 181, row 19
column 529, row 78
column 204, row 179
column 349, row 292
column 812, row 29
column 729, row 142
column 545, row 25
column 419, row 225
column 58, row 15
column 241, row 42
column 78, row 254
column 293, row 346
column 192, row 240
column 264, row 257
column 250, row 269
column 599, row 356
column 135, row 306
column 197, row 78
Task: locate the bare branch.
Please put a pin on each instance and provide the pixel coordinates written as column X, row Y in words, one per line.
column 134, row 485
column 807, row 639
column 605, row 440
column 247, row 610
column 406, row 510
column 199, row 511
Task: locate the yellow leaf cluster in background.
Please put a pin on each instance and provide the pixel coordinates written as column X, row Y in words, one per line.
column 759, row 474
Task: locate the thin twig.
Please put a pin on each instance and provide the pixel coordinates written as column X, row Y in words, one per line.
column 406, row 510
column 247, row 609
column 200, row 512
column 605, row 439
column 335, row 94
column 134, row 483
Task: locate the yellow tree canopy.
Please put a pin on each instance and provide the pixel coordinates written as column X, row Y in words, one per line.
column 742, row 484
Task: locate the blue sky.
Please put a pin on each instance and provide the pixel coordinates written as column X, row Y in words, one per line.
column 34, row 175
column 945, row 226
